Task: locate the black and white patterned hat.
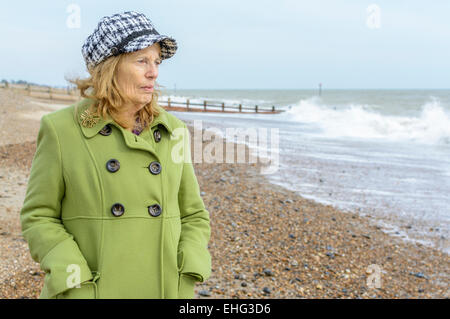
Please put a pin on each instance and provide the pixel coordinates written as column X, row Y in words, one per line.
column 124, row 32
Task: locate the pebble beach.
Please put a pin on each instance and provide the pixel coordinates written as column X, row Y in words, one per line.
column 266, row 241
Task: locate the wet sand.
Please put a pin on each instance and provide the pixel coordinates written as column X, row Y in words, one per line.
column 266, row 242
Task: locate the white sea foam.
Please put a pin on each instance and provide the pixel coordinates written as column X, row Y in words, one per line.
column 431, row 126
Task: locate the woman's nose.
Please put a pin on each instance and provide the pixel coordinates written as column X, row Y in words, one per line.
column 152, row 72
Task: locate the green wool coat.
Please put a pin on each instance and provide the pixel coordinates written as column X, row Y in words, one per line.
column 93, row 221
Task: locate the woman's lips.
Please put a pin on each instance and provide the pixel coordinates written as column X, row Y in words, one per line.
column 148, row 88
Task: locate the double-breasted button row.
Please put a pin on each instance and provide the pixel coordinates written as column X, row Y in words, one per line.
column 113, row 166
column 107, row 130
column 155, row 168
column 118, row 210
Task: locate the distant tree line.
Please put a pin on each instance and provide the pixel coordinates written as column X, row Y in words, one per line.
column 19, row 82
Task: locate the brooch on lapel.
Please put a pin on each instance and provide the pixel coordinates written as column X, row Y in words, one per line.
column 88, row 118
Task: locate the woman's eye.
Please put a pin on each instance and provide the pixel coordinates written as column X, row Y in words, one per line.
column 157, row 62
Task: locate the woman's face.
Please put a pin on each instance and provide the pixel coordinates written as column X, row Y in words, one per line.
column 137, row 73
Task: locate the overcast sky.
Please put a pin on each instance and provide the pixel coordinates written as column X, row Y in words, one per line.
column 236, row 44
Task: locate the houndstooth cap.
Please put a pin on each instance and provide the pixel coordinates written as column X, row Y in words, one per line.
column 124, row 32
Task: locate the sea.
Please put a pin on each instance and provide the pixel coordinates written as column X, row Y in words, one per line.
column 384, row 154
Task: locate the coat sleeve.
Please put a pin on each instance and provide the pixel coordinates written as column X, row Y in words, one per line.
column 49, row 242
column 194, row 258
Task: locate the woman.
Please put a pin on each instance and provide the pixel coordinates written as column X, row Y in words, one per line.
column 110, row 210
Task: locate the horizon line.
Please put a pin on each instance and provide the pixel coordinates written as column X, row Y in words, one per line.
column 254, row 89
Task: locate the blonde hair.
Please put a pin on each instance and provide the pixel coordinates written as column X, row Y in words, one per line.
column 102, row 87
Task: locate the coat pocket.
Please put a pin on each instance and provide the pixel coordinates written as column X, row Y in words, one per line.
column 186, row 284
column 87, row 290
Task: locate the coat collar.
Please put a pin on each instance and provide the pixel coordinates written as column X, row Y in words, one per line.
column 89, row 132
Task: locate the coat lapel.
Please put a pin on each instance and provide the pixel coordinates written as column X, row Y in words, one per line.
column 92, row 126
column 81, row 114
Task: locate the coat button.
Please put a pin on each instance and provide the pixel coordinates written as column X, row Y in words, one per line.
column 106, row 130
column 154, row 210
column 154, row 168
column 112, row 165
column 157, row 135
column 117, row 209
